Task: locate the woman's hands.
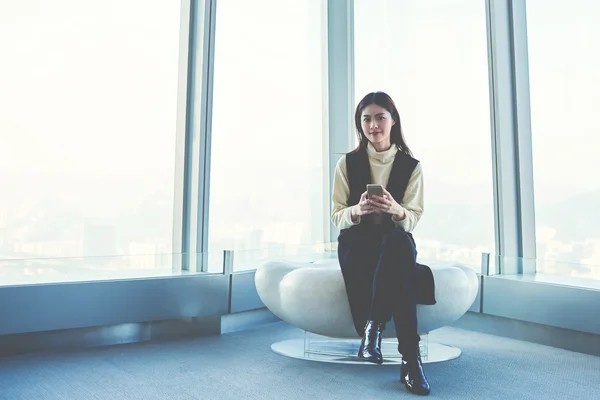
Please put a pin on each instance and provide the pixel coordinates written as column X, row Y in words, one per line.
column 363, row 207
column 385, row 203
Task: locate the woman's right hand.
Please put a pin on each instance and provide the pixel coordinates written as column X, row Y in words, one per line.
column 363, row 207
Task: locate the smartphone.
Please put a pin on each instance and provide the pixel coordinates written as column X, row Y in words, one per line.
column 373, row 189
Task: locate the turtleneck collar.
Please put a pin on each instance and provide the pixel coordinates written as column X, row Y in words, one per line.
column 382, row 156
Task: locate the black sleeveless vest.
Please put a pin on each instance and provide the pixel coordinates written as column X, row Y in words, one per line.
column 359, row 175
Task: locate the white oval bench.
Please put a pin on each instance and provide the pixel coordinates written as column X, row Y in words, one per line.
column 312, row 296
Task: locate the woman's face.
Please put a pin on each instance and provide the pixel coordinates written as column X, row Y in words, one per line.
column 376, row 123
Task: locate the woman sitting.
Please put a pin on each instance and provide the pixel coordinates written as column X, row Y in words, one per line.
column 376, row 250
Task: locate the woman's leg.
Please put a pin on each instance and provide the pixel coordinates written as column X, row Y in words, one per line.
column 394, row 291
column 394, row 288
column 358, row 252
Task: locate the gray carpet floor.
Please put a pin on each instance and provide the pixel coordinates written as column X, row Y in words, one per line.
column 241, row 366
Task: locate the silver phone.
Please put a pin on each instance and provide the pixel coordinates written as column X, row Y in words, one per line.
column 373, row 189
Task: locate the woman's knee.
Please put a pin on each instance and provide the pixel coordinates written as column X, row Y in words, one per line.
column 398, row 243
column 397, row 237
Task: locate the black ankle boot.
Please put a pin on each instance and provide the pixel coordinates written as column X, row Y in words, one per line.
column 370, row 346
column 412, row 375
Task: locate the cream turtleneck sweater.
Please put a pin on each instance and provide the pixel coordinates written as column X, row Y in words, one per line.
column 381, row 166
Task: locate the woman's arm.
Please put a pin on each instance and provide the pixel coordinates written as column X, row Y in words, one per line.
column 412, row 203
column 341, row 214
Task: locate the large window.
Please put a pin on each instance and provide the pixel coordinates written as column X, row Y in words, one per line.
column 564, row 60
column 87, row 137
column 267, row 191
column 431, row 57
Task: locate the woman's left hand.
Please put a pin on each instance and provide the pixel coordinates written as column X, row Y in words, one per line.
column 387, row 204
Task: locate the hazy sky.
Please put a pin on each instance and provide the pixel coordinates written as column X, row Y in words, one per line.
column 88, row 99
column 564, row 59
column 88, row 96
column 102, row 77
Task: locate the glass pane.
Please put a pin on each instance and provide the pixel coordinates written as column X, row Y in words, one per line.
column 430, row 56
column 87, row 132
column 24, row 271
column 268, row 175
column 564, row 63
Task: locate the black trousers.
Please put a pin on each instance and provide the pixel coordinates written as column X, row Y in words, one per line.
column 381, row 262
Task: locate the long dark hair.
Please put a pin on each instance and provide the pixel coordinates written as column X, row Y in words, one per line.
column 385, row 101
